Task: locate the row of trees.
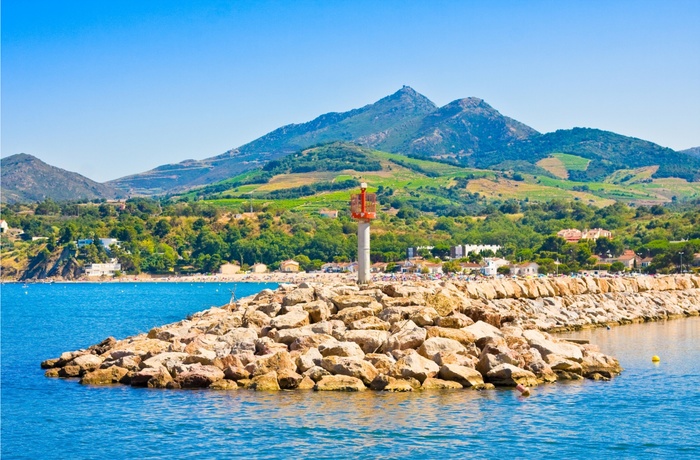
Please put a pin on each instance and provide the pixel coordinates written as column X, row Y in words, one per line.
column 164, row 237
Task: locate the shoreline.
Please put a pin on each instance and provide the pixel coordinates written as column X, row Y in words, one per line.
column 303, row 277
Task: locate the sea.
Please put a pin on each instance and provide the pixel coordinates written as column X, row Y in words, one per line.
column 652, row 410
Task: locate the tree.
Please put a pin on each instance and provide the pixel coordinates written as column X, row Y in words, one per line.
column 617, row 267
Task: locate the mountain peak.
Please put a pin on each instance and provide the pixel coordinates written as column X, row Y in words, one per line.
column 26, row 178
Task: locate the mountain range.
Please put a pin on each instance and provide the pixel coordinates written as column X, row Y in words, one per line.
column 25, row 178
column 466, row 132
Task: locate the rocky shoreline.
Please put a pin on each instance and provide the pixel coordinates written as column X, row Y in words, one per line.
column 387, row 336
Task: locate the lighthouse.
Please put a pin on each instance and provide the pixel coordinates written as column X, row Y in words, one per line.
column 363, row 208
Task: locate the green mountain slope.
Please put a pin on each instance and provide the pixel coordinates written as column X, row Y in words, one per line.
column 607, row 151
column 25, row 178
column 324, row 176
column 694, row 152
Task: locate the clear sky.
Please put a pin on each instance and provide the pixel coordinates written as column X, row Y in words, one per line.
column 110, row 88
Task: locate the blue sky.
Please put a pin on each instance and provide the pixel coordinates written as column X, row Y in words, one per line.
column 115, row 88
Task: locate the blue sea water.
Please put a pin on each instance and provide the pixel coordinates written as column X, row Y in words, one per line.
column 650, row 411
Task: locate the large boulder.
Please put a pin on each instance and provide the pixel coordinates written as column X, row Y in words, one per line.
column 433, row 346
column 352, row 300
column 265, row 382
column 142, row 377
column 199, row 376
column 268, row 363
column 383, row 363
column 316, row 373
column 339, row 383
column 415, row 366
column 439, row 384
column 370, row 322
column 546, row 347
column 311, row 341
column 352, row 314
column 86, row 363
column 510, row 376
column 297, row 296
column 318, row 311
column 387, row 383
column 465, row 376
column 369, row 340
column 293, row 319
column 288, row 379
column 107, row 376
column 424, row 316
column 480, row 329
column 455, row 321
column 166, row 359
column 347, row 349
column 353, row 367
column 308, row 359
column 408, row 336
column 236, row 372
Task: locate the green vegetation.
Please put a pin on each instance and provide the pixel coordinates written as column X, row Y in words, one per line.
column 186, row 236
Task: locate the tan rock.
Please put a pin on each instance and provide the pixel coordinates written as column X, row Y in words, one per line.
column 236, row 372
column 297, row 296
column 307, row 359
column 369, row 340
column 460, row 335
column 199, row 376
column 54, row 372
column 142, row 377
column 383, row 363
column 339, row 383
column 408, row 336
column 306, row 384
column 352, row 300
column 465, row 376
column 224, row 385
column 69, row 371
column 107, row 376
column 387, row 383
column 318, row 311
column 353, row 367
column 273, row 362
column 265, row 382
column 352, row 314
column 348, row 349
column 291, row 320
column 510, row 375
column 481, row 329
column 86, row 363
column 370, row 323
column 455, row 321
column 288, row 379
column 438, row 384
column 435, row 345
column 415, row 366
column 316, row 373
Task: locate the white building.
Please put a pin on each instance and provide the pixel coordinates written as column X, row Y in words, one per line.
column 526, row 269
column 463, row 250
column 3, row 226
column 107, row 269
column 492, row 266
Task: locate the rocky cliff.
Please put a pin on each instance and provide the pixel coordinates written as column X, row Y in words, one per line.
column 387, row 336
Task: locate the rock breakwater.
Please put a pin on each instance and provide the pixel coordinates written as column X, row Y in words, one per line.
column 386, row 336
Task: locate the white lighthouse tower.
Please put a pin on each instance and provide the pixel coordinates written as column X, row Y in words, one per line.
column 363, row 208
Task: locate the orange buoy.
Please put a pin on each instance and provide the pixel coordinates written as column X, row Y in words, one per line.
column 523, row 390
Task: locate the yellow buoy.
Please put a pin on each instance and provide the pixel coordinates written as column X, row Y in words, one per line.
column 655, row 359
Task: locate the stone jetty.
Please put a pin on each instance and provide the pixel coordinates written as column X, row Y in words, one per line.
column 389, row 336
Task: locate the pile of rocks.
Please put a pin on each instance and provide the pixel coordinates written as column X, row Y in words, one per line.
column 383, row 336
